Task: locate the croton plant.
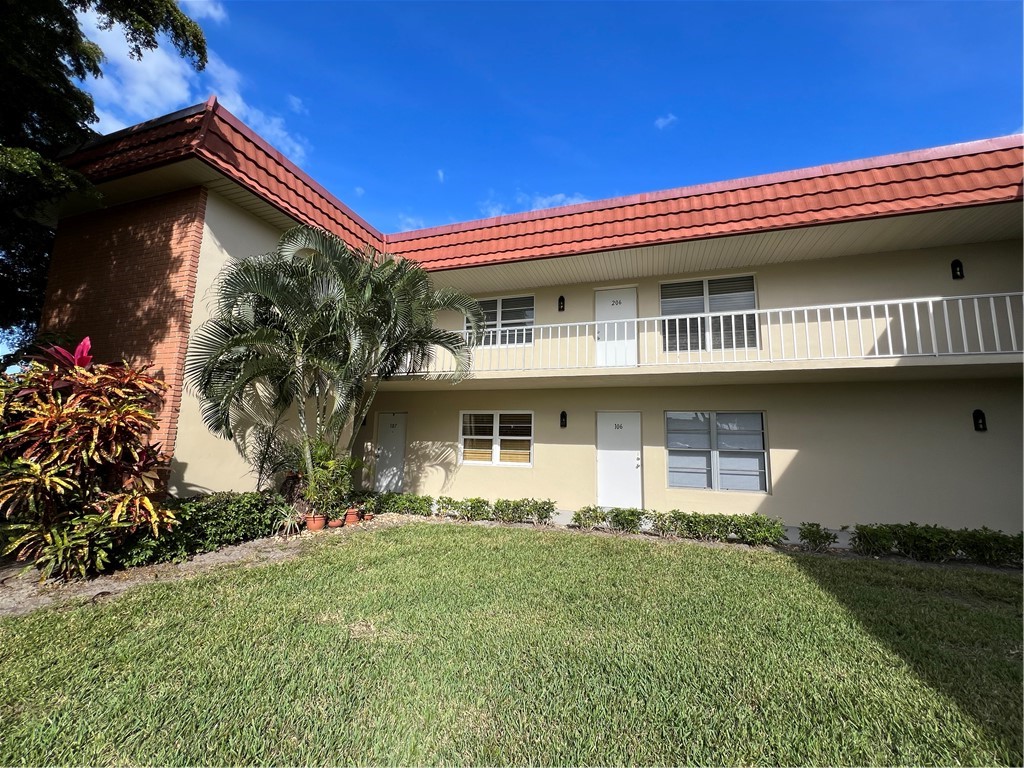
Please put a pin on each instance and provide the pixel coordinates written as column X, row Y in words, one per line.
column 77, row 471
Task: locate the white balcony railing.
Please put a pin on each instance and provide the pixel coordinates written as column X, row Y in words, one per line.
column 961, row 325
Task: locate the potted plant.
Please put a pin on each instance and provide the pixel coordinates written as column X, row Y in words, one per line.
column 352, row 515
column 336, row 521
column 328, row 488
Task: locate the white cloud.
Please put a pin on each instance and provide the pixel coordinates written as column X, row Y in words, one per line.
column 440, row 175
column 407, row 223
column 537, row 202
column 359, row 191
column 205, row 9
column 664, row 122
column 132, row 91
column 226, row 82
column 492, row 207
column 296, row 105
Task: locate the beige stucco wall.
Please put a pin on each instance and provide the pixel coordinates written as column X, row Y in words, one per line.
column 203, row 461
column 988, row 268
column 838, row 453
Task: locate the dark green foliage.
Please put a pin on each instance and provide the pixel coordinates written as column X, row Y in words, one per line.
column 988, row 547
column 754, row 529
column 589, row 517
column 45, row 110
column 932, row 543
column 814, row 538
column 205, row 524
column 626, row 519
column 872, row 540
column 474, row 509
column 400, row 504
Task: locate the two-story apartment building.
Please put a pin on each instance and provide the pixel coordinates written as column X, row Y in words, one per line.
column 840, row 344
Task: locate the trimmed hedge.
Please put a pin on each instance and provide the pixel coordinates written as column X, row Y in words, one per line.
column 205, row 524
column 752, row 529
column 400, row 503
column 815, row 538
column 589, row 517
column 935, row 544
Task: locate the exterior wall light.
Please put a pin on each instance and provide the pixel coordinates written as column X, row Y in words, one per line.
column 957, row 268
column 561, row 303
column 980, row 425
column 563, row 420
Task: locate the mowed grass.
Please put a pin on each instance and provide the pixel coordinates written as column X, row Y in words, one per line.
column 450, row 644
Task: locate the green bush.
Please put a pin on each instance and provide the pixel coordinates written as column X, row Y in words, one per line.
column 447, row 506
column 751, row 529
column 873, row 540
column 589, row 517
column 814, row 538
column 474, row 509
column 929, row 543
column 205, row 524
column 626, row 519
column 542, row 510
column 988, row 547
column 401, row 504
column 512, row 511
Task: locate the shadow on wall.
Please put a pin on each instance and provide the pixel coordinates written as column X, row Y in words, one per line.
column 178, row 487
column 124, row 277
column 424, row 463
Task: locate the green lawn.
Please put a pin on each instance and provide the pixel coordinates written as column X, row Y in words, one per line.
column 466, row 645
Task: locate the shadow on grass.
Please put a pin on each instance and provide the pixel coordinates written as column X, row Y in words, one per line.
column 957, row 628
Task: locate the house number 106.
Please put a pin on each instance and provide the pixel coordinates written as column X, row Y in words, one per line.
column 618, row 426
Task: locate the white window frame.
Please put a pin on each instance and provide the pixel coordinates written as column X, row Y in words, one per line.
column 495, row 439
column 713, row 435
column 707, row 344
column 499, row 328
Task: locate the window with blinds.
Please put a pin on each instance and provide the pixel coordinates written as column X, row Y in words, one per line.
column 709, row 314
column 716, row 450
column 507, row 321
column 497, row 438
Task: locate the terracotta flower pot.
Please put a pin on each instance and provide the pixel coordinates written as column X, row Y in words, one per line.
column 367, row 517
column 351, row 516
column 337, row 522
column 315, row 522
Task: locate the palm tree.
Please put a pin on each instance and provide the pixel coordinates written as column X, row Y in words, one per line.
column 310, row 330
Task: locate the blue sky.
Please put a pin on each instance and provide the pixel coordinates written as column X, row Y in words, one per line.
column 418, row 114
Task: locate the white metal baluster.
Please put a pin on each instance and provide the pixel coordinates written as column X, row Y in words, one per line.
column 995, row 323
column 917, row 327
column 832, row 330
column 1009, row 319
column 817, row 320
column 846, row 332
column 782, row 337
column 888, row 327
column 931, row 326
column 796, row 344
column 977, row 318
column 963, row 323
column 874, row 328
column 807, row 337
column 903, row 330
column 949, row 333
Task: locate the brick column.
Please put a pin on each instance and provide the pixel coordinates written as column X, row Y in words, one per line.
column 126, row 277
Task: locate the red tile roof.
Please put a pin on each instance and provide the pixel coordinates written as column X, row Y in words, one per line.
column 960, row 175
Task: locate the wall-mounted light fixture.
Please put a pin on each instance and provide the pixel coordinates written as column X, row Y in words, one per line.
column 563, row 420
column 957, row 268
column 980, row 425
column 561, row 303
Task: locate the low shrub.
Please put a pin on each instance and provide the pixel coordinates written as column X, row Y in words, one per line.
column 205, row 524
column 626, row 519
column 474, row 509
column 928, row 543
column 447, row 506
column 988, row 547
column 512, row 511
column 542, row 510
column 754, row 529
column 401, row 504
column 873, row 540
column 814, row 538
column 589, row 517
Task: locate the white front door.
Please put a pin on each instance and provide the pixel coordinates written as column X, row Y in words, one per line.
column 615, row 314
column 619, row 465
column 390, row 454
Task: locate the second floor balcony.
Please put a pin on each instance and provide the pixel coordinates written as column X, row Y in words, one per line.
column 959, row 328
